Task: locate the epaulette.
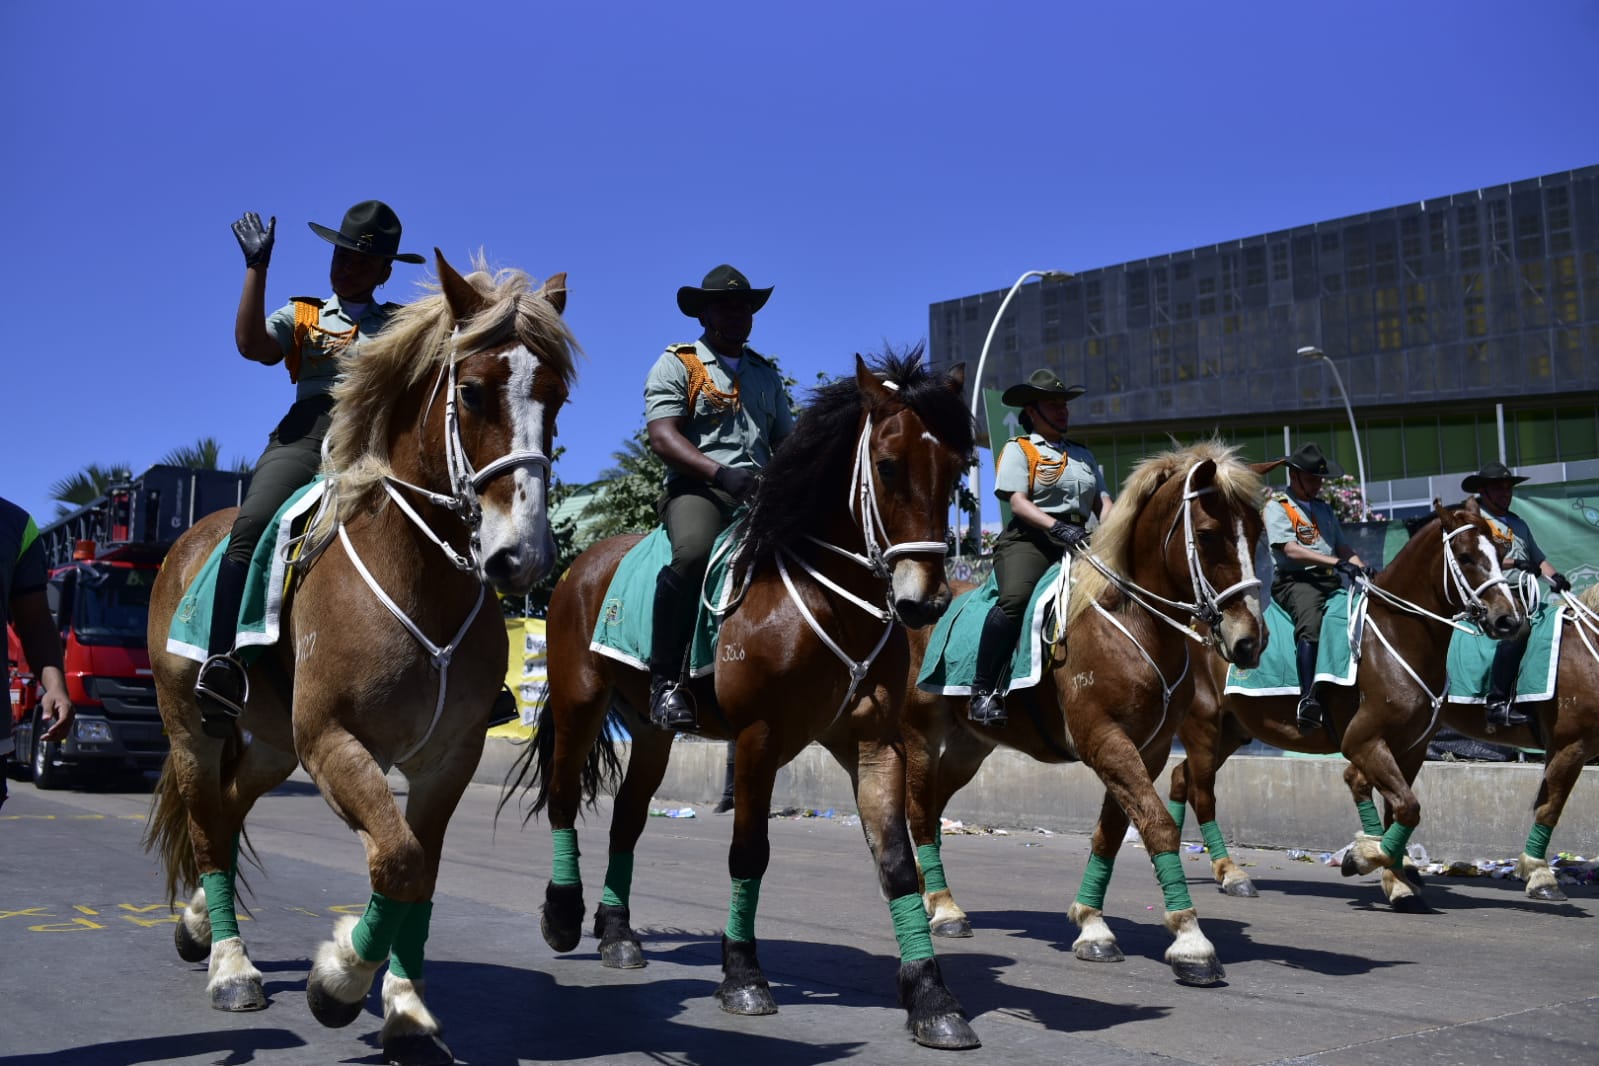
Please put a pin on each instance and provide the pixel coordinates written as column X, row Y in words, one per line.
column 317, row 300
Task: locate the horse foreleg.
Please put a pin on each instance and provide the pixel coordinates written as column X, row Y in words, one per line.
column 613, row 920
column 1209, row 740
column 1374, row 762
column 928, row 792
column 933, row 1014
column 1095, row 942
column 744, row 988
column 1560, row 774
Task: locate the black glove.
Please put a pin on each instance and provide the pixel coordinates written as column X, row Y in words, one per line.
column 1558, row 580
column 1349, row 569
column 1529, row 566
column 1068, row 535
column 1369, row 571
column 255, row 240
column 735, row 481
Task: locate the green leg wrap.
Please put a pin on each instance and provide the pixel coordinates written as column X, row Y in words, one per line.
column 1538, row 840
column 563, row 861
column 1178, row 812
column 373, row 936
column 1173, row 883
column 405, row 958
column 741, row 910
column 618, row 881
column 1393, row 844
column 219, row 902
column 1370, row 820
column 1096, row 879
column 915, row 936
column 1213, row 840
column 928, row 857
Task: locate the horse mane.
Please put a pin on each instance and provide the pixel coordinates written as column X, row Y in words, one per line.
column 414, row 344
column 1113, row 541
column 803, row 485
column 1590, row 597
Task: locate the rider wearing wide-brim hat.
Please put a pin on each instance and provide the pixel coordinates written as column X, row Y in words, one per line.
column 1054, row 488
column 1494, row 486
column 715, row 411
column 1310, row 555
column 310, row 335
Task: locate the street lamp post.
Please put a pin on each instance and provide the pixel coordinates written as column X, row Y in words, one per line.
column 1312, row 352
column 977, row 386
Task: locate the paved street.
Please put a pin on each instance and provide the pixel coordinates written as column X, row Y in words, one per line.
column 1319, row 970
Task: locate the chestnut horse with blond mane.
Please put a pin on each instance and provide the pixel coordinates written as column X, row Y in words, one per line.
column 392, row 649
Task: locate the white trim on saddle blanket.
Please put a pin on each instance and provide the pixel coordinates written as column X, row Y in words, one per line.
column 949, row 673
column 261, row 613
column 1343, row 628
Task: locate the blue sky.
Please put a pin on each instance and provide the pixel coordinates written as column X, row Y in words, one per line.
column 866, row 159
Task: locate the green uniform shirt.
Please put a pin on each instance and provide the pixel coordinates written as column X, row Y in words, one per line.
column 1067, row 481
column 1317, row 529
column 741, row 435
column 1511, row 527
column 318, row 369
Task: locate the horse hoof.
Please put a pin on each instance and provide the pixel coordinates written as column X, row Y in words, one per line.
column 1098, row 951
column 561, row 917
column 333, row 1013
column 238, row 996
column 1348, row 867
column 190, row 948
column 1547, row 893
column 622, row 955
column 747, row 999
column 948, row 1032
column 1200, row 974
column 1410, row 904
column 1244, row 889
column 954, row 928
column 417, row 1049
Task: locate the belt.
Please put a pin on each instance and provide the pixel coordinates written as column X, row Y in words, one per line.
column 1076, row 518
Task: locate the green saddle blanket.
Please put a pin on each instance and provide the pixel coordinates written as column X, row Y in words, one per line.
column 264, row 586
column 626, row 626
column 1278, row 675
column 951, row 661
column 1471, row 655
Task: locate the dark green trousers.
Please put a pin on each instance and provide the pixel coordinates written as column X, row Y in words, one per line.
column 694, row 514
column 292, row 458
column 1021, row 555
column 1304, row 595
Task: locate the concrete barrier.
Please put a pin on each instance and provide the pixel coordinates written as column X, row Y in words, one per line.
column 1469, row 810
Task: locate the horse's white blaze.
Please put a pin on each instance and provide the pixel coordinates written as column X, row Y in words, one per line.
column 524, row 529
column 1246, row 566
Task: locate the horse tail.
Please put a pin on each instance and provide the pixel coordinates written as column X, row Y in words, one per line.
column 167, row 831
column 602, row 768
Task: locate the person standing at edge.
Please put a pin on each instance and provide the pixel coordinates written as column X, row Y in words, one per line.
column 1310, row 553
column 716, row 409
column 23, row 605
column 1052, row 485
column 310, row 335
column 1495, row 486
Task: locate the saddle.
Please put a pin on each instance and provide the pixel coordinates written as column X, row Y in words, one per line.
column 625, row 628
column 951, row 660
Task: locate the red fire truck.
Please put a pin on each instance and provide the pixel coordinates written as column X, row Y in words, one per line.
column 103, row 561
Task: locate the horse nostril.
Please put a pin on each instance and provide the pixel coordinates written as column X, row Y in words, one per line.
column 1245, row 652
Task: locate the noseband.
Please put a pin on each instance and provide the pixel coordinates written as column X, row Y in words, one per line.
column 1474, row 608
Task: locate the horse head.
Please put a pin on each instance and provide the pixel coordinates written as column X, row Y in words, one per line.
column 1213, row 561
column 904, row 477
column 1472, row 579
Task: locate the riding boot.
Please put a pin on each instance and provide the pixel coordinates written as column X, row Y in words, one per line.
column 671, row 703
column 1501, row 712
column 1309, row 714
column 725, row 804
column 222, row 686
column 994, row 649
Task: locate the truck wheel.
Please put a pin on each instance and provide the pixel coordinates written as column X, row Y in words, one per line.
column 46, row 776
column 19, row 767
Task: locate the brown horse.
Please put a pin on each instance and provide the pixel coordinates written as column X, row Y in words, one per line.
column 1116, row 689
column 846, row 539
column 392, row 653
column 1383, row 724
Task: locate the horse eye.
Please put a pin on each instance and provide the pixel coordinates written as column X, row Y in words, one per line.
column 471, row 394
column 886, row 469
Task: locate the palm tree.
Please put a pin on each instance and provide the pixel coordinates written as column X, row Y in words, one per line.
column 204, row 454
column 86, row 485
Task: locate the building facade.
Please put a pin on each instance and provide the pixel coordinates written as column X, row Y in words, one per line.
column 1462, row 328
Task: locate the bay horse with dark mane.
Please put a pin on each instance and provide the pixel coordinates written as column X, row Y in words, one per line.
column 1447, row 571
column 844, row 546
column 392, row 647
column 1178, row 545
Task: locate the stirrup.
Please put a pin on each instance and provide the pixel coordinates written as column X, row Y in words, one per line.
column 1502, row 714
column 1309, row 715
column 672, row 706
column 987, row 708
column 223, row 688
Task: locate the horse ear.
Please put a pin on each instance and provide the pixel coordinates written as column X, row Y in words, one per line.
column 1444, row 515
column 871, row 388
column 1265, row 468
column 1470, row 504
column 955, row 379
column 464, row 300
column 1204, row 474
column 554, row 291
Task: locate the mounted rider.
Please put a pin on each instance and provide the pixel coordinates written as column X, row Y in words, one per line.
column 1053, row 486
column 1311, row 555
column 716, row 409
column 311, row 336
column 1494, row 486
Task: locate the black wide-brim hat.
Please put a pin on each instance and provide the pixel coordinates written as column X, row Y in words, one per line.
column 1495, row 471
column 1309, row 460
column 1041, row 385
column 721, row 283
column 370, row 227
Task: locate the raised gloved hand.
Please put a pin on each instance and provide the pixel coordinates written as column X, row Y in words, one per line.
column 735, row 481
column 1353, row 571
column 1068, row 535
column 1559, row 581
column 255, row 240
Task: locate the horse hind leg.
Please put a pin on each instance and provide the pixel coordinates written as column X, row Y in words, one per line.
column 620, row 948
